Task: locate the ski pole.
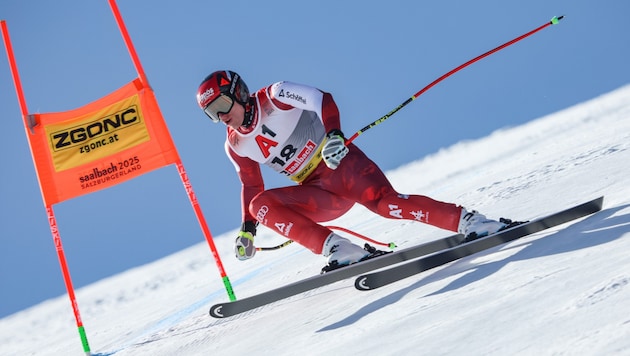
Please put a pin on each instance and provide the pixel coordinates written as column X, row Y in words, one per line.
column 553, row 21
column 391, row 245
column 284, row 244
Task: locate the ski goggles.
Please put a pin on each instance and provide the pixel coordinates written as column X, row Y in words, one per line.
column 221, row 105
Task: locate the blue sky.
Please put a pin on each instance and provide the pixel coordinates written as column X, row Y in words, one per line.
column 371, row 58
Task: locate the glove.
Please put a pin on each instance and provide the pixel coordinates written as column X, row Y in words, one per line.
column 244, row 244
column 334, row 149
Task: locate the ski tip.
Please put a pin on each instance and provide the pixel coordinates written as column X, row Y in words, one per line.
column 216, row 312
column 360, row 284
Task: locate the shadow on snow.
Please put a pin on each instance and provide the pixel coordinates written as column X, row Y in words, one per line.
column 600, row 228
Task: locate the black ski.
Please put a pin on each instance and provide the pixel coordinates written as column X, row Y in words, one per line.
column 223, row 310
column 380, row 278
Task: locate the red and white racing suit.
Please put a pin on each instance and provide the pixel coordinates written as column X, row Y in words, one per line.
column 287, row 134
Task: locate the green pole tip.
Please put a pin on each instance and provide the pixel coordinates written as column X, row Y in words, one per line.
column 556, row 19
column 392, row 246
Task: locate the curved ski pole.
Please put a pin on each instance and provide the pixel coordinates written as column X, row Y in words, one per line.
column 553, row 21
column 391, row 245
column 286, row 243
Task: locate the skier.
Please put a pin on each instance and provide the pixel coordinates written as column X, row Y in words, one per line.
column 295, row 130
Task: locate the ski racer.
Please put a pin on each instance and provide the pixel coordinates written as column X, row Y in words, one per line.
column 295, row 129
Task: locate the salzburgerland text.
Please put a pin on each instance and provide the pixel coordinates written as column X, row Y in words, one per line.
column 114, row 171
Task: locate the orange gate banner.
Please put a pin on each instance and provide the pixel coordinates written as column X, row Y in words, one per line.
column 107, row 142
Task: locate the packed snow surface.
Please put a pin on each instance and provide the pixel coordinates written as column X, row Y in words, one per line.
column 564, row 291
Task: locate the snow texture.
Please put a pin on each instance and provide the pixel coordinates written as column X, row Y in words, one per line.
column 565, row 291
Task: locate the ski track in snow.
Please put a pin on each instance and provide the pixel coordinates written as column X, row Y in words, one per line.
column 604, row 291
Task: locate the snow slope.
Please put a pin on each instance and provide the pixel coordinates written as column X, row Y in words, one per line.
column 565, row 291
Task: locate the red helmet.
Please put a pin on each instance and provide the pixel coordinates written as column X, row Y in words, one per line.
column 219, row 90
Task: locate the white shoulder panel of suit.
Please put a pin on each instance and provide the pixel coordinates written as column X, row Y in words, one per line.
column 283, row 138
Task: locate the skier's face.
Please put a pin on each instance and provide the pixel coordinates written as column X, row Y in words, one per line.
column 234, row 118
